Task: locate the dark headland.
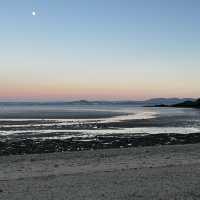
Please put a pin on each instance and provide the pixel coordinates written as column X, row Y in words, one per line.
column 185, row 104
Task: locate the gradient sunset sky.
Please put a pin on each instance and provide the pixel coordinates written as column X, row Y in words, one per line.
column 99, row 49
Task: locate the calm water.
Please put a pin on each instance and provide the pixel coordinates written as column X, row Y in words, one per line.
column 63, row 121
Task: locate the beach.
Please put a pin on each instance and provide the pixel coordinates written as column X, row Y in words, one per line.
column 94, row 153
column 159, row 172
column 99, row 100
column 79, row 128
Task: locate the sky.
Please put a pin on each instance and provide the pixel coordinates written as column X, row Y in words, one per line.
column 99, row 49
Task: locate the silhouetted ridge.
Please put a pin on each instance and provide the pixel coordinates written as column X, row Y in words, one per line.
column 189, row 104
column 149, row 102
column 184, row 104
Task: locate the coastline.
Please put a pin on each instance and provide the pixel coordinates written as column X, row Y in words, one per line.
column 28, row 146
column 161, row 172
column 33, row 137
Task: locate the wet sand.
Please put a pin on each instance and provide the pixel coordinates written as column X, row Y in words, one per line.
column 159, row 172
column 32, row 142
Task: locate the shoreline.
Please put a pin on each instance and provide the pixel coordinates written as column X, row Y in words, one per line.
column 36, row 137
column 28, row 146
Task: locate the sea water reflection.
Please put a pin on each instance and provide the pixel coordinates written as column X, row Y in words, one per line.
column 88, row 122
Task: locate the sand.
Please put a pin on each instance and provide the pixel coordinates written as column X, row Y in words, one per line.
column 159, row 172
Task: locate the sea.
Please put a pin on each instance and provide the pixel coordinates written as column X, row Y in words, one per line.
column 38, row 121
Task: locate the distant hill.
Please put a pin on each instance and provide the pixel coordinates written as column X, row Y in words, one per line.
column 149, row 102
column 189, row 104
column 166, row 101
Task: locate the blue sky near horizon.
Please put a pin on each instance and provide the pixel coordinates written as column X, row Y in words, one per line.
column 108, row 49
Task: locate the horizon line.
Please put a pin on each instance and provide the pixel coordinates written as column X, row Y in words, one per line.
column 88, row 100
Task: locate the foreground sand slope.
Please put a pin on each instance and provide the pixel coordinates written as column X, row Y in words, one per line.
column 164, row 172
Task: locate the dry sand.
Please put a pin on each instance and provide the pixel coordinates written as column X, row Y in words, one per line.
column 160, row 172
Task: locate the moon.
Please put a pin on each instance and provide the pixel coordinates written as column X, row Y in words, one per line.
column 34, row 13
